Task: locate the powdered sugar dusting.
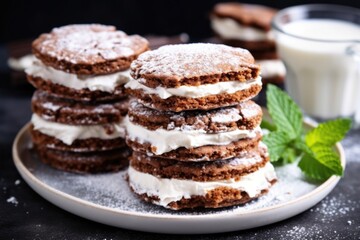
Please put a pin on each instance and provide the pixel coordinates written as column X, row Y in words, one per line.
column 250, row 111
column 89, row 43
column 12, row 200
column 111, row 190
column 226, row 115
column 51, row 106
column 201, row 119
column 191, row 60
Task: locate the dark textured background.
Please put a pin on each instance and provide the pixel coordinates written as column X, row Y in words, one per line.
column 336, row 217
column 26, row 19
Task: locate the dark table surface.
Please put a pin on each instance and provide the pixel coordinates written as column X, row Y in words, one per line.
column 26, row 215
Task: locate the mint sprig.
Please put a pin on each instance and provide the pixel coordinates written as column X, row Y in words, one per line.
column 284, row 112
column 287, row 139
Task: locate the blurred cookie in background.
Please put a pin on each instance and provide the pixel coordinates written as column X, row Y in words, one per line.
column 249, row 26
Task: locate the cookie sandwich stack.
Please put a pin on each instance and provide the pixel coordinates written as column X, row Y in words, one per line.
column 249, row 26
column 193, row 129
column 80, row 103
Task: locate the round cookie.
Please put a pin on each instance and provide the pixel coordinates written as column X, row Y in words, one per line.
column 88, row 49
column 77, row 113
column 84, row 94
column 89, row 162
column 218, row 198
column 257, row 16
column 179, row 185
column 87, row 62
column 194, row 135
column 244, row 25
column 78, row 145
column 194, row 76
column 75, row 137
column 222, row 169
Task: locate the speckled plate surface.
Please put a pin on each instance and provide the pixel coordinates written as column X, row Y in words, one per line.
column 106, row 198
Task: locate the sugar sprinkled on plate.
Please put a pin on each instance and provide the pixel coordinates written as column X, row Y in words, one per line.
column 12, row 200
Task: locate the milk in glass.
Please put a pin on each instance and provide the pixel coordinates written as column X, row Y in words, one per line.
column 321, row 77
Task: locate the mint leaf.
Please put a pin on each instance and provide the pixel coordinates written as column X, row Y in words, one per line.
column 327, row 156
column 289, row 155
column 328, row 133
column 284, row 112
column 276, row 143
column 300, row 145
column 267, row 125
column 287, row 140
column 322, row 164
column 314, row 169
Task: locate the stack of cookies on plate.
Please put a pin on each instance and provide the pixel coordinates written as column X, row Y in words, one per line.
column 80, row 103
column 249, row 26
column 193, row 128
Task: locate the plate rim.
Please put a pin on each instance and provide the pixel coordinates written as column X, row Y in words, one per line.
column 24, row 170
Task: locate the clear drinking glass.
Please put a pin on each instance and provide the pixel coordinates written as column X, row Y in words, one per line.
column 322, row 66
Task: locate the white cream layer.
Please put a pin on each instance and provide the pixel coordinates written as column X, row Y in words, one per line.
column 69, row 133
column 170, row 190
column 228, row 28
column 166, row 140
column 105, row 83
column 195, row 91
column 272, row 68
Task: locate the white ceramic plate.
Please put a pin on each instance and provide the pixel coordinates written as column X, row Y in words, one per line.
column 106, row 198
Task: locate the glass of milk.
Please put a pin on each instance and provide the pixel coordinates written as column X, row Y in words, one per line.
column 320, row 46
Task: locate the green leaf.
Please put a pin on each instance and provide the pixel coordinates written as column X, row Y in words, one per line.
column 284, row 112
column 321, row 164
column 287, row 140
column 267, row 125
column 276, row 143
column 328, row 133
column 328, row 157
column 289, row 155
column 301, row 146
column 314, row 169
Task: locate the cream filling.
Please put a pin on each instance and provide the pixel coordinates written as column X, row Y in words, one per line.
column 163, row 140
column 170, row 190
column 195, row 91
column 105, row 83
column 272, row 68
column 20, row 64
column 228, row 28
column 69, row 133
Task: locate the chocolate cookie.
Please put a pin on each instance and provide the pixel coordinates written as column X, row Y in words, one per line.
column 199, row 190
column 84, row 62
column 85, row 162
column 73, row 137
column 202, row 153
column 79, row 95
column 77, row 113
column 88, row 49
column 194, row 135
column 246, row 115
column 244, row 25
column 78, row 145
column 218, row 198
column 194, row 76
column 257, row 16
column 223, row 169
